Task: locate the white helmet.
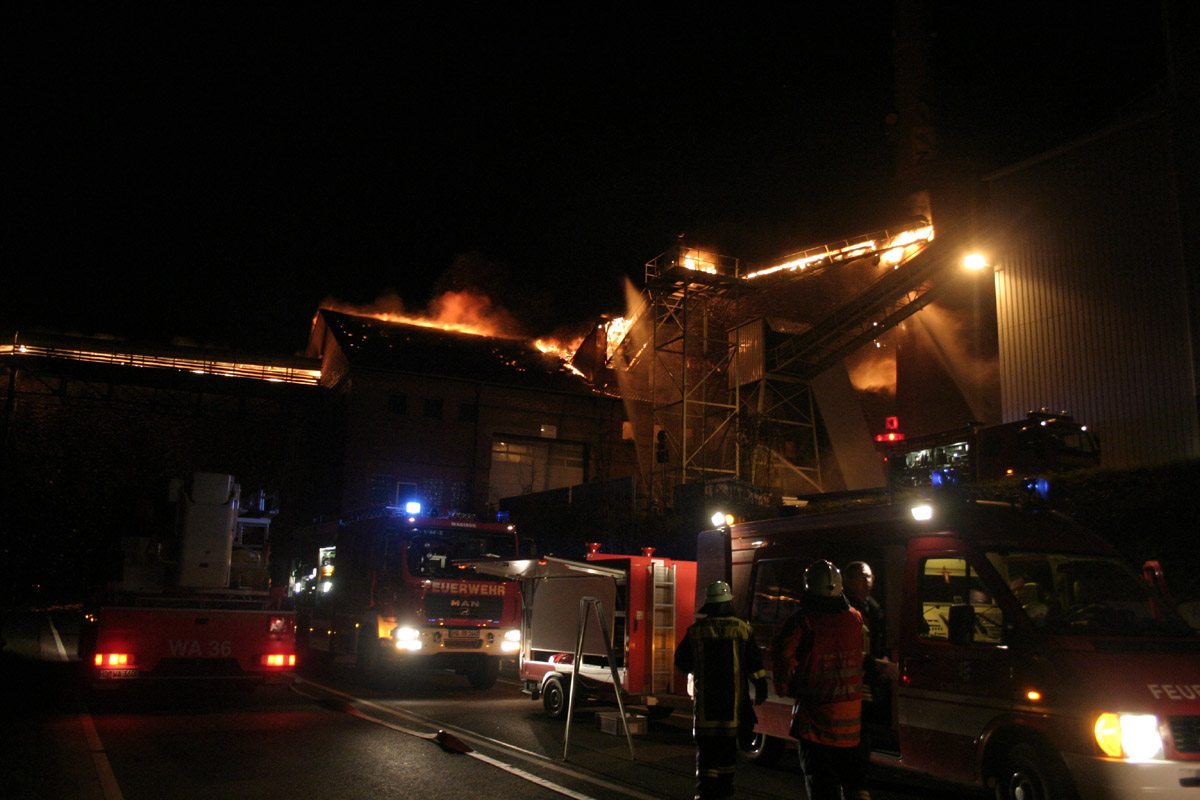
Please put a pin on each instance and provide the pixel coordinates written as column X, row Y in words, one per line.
column 823, row 578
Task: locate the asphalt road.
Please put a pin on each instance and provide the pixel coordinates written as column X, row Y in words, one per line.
column 332, row 734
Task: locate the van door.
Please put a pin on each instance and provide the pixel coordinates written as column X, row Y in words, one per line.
column 777, row 591
column 954, row 679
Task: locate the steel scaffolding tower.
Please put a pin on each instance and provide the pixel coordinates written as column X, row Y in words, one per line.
column 691, row 302
column 729, row 384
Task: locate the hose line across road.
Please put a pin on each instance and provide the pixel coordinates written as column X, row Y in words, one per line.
column 459, row 741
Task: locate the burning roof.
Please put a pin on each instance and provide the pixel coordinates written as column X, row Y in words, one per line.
column 416, row 349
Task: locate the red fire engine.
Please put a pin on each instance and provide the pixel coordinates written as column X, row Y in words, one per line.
column 1031, row 659
column 1041, row 443
column 194, row 603
column 385, row 589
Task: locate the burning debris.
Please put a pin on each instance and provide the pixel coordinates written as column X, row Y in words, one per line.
column 465, row 312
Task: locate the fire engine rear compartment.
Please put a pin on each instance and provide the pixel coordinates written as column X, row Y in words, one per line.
column 647, row 605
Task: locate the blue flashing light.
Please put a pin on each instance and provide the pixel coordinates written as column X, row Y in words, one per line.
column 501, row 516
column 945, row 478
column 412, row 507
column 1036, row 488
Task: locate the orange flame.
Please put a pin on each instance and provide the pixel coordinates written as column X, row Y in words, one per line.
column 461, row 312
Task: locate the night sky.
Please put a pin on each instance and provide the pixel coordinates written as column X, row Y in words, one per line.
column 212, row 177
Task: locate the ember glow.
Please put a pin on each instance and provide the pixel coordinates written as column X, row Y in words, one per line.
column 699, row 261
column 563, row 349
column 616, row 329
column 894, row 249
column 459, row 312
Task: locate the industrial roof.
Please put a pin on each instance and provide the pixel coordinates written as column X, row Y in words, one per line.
column 416, row 349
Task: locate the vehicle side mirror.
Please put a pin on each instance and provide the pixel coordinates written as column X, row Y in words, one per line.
column 962, row 624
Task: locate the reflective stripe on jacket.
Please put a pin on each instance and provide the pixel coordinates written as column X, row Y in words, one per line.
column 722, row 655
column 823, row 657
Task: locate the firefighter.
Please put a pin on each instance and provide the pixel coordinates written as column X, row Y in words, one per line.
column 879, row 673
column 720, row 652
column 819, row 660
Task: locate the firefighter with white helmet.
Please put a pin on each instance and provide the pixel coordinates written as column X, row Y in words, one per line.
column 720, row 652
column 823, row 578
column 819, row 663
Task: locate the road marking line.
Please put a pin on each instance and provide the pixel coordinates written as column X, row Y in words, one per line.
column 108, row 781
column 469, row 736
column 62, row 651
column 104, row 773
column 529, row 776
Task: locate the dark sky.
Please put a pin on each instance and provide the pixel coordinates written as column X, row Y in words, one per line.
column 213, row 176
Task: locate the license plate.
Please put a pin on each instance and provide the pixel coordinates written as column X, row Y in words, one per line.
column 468, row 633
column 110, row 674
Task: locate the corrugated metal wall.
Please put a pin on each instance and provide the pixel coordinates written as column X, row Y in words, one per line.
column 1091, row 293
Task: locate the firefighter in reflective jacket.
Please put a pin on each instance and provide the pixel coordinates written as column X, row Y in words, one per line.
column 721, row 654
column 819, row 663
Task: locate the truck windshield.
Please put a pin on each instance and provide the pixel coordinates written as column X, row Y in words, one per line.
column 432, row 553
column 1073, row 594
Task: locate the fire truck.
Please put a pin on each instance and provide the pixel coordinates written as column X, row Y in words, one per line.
column 385, row 588
column 194, row 602
column 1041, row 443
column 647, row 603
column 1031, row 659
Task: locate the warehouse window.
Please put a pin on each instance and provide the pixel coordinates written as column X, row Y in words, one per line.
column 528, row 465
column 397, row 404
column 433, row 408
column 388, row 491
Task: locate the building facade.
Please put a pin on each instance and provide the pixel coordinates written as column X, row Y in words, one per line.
column 460, row 421
column 1095, row 290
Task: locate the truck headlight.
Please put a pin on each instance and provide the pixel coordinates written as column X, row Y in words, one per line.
column 512, row 641
column 407, row 638
column 1134, row 737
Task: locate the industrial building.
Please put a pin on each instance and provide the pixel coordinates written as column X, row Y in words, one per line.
column 460, row 420
column 1096, row 262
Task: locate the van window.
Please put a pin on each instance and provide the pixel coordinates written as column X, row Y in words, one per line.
column 778, row 587
column 947, row 582
column 1073, row 593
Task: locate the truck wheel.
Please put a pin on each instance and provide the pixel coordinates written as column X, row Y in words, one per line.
column 1027, row 773
column 761, row 749
column 554, row 698
column 483, row 675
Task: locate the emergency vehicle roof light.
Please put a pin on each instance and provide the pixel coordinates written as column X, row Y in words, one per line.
column 945, row 478
column 1036, row 488
column 412, row 507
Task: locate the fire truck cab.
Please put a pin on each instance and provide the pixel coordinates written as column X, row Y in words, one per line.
column 386, row 589
column 1031, row 659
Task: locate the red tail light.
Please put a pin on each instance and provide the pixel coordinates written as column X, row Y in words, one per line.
column 113, row 659
column 279, row 660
